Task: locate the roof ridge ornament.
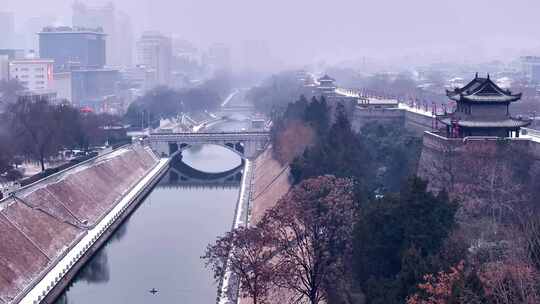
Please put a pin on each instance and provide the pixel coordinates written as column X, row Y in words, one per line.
column 476, row 76
column 487, row 75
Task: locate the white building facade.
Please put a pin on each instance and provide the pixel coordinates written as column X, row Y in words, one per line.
column 33, row 74
column 154, row 52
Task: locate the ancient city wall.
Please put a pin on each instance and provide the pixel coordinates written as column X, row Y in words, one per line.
column 413, row 121
column 417, row 122
column 43, row 221
column 363, row 116
column 480, row 172
column 271, row 181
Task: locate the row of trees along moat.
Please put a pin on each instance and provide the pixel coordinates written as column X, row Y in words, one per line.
column 37, row 130
column 34, row 129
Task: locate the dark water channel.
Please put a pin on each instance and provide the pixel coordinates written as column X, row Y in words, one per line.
column 160, row 244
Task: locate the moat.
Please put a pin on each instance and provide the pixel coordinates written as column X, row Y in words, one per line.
column 160, row 244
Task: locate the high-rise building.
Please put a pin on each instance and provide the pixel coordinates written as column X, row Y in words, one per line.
column 154, row 52
column 62, row 86
column 124, row 46
column 115, row 24
column 73, row 47
column 257, row 56
column 91, row 87
column 80, row 54
column 218, row 56
column 97, row 17
column 33, row 74
column 531, row 68
column 140, row 77
column 32, row 27
column 13, row 54
column 7, row 30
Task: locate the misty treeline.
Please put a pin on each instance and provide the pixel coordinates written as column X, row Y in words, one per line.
column 34, row 129
column 8, row 92
column 398, row 242
column 274, row 94
column 314, row 143
column 165, row 102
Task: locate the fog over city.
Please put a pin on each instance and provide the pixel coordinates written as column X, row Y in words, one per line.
column 270, row 151
column 303, row 31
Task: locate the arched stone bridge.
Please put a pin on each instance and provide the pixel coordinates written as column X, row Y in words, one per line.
column 182, row 175
column 245, row 144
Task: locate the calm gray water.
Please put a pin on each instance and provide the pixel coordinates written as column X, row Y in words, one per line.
column 160, row 245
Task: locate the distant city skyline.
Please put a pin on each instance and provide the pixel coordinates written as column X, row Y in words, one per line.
column 303, row 31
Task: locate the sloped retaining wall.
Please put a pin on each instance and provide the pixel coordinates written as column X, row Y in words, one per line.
column 50, row 228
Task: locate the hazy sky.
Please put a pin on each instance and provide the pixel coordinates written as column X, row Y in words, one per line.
column 307, row 30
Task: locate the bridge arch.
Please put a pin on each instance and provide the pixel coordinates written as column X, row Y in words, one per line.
column 237, row 148
column 182, row 174
column 245, row 144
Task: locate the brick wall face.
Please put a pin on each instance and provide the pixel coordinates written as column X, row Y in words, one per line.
column 481, row 172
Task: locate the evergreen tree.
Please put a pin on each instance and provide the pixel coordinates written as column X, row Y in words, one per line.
column 395, row 238
column 316, row 114
column 340, row 153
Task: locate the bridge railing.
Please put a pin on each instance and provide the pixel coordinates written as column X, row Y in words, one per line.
column 244, row 136
column 530, row 132
column 214, row 133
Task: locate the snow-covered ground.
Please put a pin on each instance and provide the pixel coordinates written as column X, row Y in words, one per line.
column 530, row 134
column 239, row 221
column 415, row 110
column 230, row 97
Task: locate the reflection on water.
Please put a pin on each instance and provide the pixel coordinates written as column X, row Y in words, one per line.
column 97, row 270
column 181, row 174
column 210, row 158
column 167, row 235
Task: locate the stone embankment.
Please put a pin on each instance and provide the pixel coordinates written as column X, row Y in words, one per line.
column 271, row 181
column 44, row 222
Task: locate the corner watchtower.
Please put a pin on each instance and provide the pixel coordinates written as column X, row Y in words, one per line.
column 482, row 110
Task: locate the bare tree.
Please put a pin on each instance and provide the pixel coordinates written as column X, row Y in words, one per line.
column 246, row 253
column 35, row 126
column 312, row 226
column 8, row 91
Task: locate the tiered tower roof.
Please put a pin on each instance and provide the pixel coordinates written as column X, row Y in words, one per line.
column 482, row 90
column 482, row 110
column 326, row 78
